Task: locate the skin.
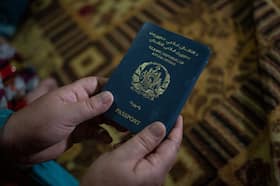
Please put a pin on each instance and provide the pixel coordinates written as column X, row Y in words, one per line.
column 53, row 121
column 144, row 160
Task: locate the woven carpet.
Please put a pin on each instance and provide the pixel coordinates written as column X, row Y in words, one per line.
column 232, row 119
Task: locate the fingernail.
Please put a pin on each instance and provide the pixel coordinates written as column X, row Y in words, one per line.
column 157, row 129
column 106, row 97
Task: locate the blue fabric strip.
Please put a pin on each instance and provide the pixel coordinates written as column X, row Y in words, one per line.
column 52, row 174
column 4, row 116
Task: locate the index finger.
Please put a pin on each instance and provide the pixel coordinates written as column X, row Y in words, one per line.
column 165, row 155
column 85, row 87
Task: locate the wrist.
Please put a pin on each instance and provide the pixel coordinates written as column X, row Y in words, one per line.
column 9, row 151
column 5, row 116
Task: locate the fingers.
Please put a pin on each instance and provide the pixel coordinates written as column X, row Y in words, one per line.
column 91, row 107
column 44, row 87
column 165, row 155
column 143, row 143
column 85, row 87
column 91, row 84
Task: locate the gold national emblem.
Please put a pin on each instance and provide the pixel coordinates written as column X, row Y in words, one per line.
column 150, row 80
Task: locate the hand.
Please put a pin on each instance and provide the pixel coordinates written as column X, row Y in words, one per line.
column 48, row 126
column 45, row 86
column 144, row 160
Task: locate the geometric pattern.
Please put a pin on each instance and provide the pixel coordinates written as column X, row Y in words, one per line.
column 234, row 105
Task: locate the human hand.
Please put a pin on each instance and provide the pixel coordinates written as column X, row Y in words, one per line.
column 144, row 160
column 45, row 86
column 48, row 126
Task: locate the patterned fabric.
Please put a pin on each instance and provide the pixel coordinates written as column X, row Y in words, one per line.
column 16, row 79
column 233, row 108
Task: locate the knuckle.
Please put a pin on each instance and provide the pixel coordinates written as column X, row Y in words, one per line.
column 155, row 159
column 87, row 80
column 90, row 79
column 175, row 145
column 90, row 106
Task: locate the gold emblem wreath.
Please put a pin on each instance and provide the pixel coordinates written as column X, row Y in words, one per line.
column 149, row 81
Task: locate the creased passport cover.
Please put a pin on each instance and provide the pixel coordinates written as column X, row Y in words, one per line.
column 155, row 78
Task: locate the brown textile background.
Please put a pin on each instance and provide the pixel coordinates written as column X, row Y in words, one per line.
column 234, row 105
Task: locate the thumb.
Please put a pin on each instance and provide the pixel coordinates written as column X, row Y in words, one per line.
column 143, row 143
column 92, row 107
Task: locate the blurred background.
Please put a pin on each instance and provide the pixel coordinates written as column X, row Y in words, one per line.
column 231, row 120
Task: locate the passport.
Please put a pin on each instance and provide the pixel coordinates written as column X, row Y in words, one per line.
column 155, row 78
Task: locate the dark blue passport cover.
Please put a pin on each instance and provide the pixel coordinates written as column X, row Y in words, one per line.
column 155, row 78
